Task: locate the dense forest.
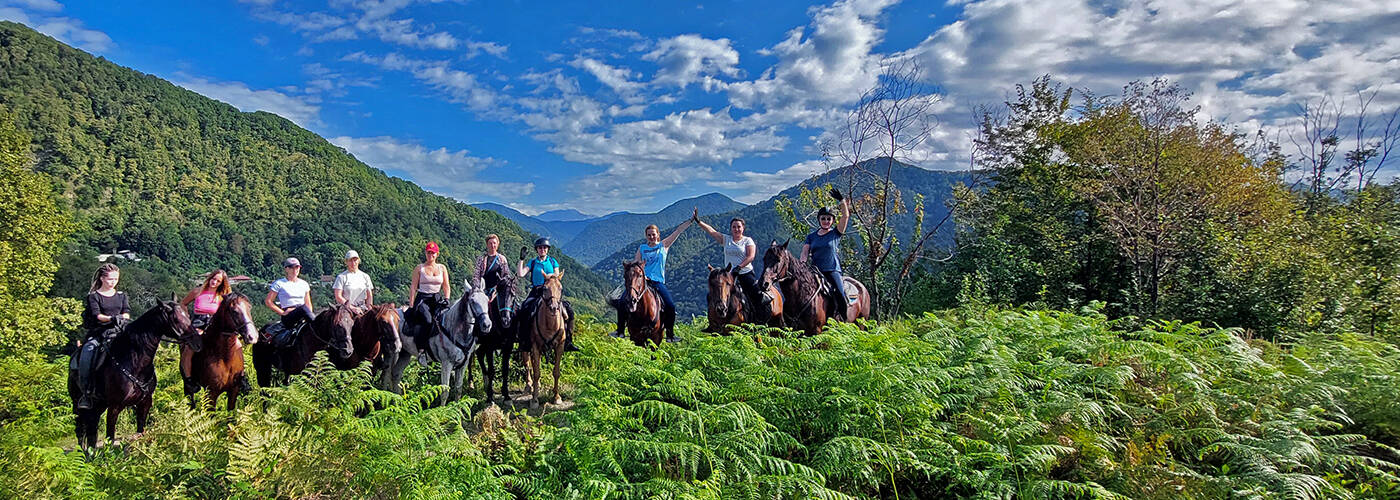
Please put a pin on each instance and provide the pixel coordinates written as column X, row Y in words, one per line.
column 192, row 184
column 1136, row 303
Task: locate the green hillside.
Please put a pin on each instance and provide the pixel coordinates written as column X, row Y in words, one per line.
column 191, row 183
column 686, row 271
column 601, row 237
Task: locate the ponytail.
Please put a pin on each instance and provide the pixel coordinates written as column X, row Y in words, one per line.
column 102, row 272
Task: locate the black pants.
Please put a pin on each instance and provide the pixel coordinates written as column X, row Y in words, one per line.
column 748, row 284
column 426, row 307
column 838, row 291
column 296, row 316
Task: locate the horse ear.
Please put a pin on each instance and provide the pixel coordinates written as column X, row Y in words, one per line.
column 727, row 267
column 712, row 268
column 785, row 243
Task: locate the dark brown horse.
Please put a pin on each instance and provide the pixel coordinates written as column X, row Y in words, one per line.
column 128, row 377
column 329, row 331
column 642, row 303
column 548, row 330
column 729, row 306
column 503, row 335
column 218, row 368
column 373, row 329
column 801, row 284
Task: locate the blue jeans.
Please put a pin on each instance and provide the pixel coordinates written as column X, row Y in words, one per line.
column 833, row 280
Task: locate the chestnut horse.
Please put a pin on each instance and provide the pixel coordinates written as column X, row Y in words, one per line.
column 128, row 377
column 801, row 283
column 329, row 331
column 729, row 306
column 547, row 330
column 218, row 368
column 642, row 303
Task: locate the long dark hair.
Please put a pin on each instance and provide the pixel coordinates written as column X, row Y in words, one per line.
column 102, row 272
column 222, row 289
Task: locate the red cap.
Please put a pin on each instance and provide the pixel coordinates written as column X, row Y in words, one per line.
column 432, row 247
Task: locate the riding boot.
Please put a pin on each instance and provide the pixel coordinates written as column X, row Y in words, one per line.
column 87, row 364
column 569, row 329
column 668, row 320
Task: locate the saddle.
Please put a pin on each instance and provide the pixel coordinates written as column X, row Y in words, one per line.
column 281, row 337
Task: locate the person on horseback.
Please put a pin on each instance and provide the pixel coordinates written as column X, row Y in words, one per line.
column 823, row 247
column 352, row 287
column 739, row 252
column 290, row 298
column 105, row 313
column 491, row 260
column 430, row 292
column 539, row 269
column 205, row 300
column 653, row 253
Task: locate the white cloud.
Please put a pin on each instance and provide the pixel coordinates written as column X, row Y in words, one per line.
column 618, row 79
column 463, row 87
column 759, row 186
column 689, row 58
column 296, row 109
column 442, row 171
column 40, row 5
column 37, row 14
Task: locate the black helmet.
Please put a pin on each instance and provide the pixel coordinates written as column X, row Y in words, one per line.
column 542, row 242
column 825, row 211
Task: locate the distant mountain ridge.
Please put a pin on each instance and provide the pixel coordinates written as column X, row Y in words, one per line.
column 600, row 237
column 686, row 271
column 567, row 215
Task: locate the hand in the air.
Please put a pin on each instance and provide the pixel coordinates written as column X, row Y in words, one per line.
column 524, row 252
column 695, row 214
column 836, row 194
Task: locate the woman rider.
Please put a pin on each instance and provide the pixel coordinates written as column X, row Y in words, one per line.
column 653, row 254
column 491, row 260
column 823, row 246
column 290, row 297
column 353, row 288
column 105, row 312
column 739, row 252
column 430, row 291
column 206, row 300
column 540, row 269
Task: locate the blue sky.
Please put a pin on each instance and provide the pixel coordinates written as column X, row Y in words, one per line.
column 623, row 105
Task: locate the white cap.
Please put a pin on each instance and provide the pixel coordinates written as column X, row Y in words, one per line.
column 352, row 255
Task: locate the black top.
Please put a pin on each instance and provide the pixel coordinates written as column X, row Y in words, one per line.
column 96, row 304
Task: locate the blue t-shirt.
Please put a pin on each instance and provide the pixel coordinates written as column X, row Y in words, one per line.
column 655, row 259
column 539, row 268
column 825, row 249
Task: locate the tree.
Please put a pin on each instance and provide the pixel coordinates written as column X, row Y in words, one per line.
column 892, row 122
column 1323, row 129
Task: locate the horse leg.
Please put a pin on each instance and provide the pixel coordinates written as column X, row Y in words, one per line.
column 446, row 378
column 558, row 360
column 112, row 413
column 486, row 378
column 505, row 369
column 143, row 411
column 535, row 358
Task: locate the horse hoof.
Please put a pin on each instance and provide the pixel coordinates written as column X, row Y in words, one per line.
column 558, row 402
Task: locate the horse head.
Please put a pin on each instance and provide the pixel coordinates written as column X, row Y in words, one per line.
column 776, row 261
column 178, row 326
column 721, row 286
column 235, row 316
column 552, row 298
column 502, row 286
column 333, row 326
column 634, row 284
column 479, row 305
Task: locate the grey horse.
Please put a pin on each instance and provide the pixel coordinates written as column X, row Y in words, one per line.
column 451, row 344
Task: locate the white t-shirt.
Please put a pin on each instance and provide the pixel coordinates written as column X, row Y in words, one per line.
column 353, row 285
column 736, row 251
column 290, row 293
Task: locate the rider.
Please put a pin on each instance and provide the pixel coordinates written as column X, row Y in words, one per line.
column 353, row 288
column 540, row 269
column 824, row 248
column 739, row 252
column 290, row 297
column 105, row 313
column 653, row 253
column 206, row 300
column 492, row 259
column 430, row 291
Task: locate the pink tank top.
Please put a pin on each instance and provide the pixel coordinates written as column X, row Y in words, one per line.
column 207, row 302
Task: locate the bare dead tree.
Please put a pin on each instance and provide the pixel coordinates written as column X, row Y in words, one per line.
column 892, row 122
column 1320, row 140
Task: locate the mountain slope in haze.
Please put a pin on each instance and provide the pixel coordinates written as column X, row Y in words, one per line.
column 565, row 215
column 558, row 230
column 192, row 184
column 601, row 237
column 687, row 272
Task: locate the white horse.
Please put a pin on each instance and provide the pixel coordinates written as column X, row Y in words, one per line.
column 452, row 343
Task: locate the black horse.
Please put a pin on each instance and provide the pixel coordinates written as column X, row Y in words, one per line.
column 128, row 377
column 503, row 335
column 329, row 331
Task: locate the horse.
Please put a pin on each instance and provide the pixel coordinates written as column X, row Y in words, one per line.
column 642, row 303
column 218, row 368
column 329, row 331
column 502, row 336
column 547, row 330
column 128, row 377
column 802, row 284
column 374, row 330
column 451, row 342
column 729, row 306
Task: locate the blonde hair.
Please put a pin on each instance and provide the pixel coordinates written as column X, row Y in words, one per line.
column 102, row 272
column 493, row 236
column 223, row 289
column 652, row 226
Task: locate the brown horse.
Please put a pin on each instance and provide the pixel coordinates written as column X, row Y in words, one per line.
column 642, row 303
column 218, row 368
column 329, row 331
column 128, row 377
column 373, row 331
column 801, row 283
column 547, row 331
column 729, row 306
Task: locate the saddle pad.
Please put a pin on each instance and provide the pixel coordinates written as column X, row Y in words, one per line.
column 852, row 289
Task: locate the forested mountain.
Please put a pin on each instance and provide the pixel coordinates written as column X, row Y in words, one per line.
column 567, row 215
column 560, row 231
column 601, row 237
column 191, row 184
column 686, row 271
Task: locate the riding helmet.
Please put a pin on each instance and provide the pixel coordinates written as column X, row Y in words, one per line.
column 825, row 211
column 543, row 242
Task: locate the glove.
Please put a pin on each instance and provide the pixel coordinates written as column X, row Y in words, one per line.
column 524, row 252
column 836, row 194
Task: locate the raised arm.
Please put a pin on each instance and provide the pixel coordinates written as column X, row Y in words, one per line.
column 675, row 234
column 845, row 216
column 714, row 235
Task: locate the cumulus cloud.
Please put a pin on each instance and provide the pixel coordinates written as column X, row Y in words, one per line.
column 618, row 79
column 461, row 86
column 689, row 58
column 443, row 171
column 40, row 15
column 297, row 109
